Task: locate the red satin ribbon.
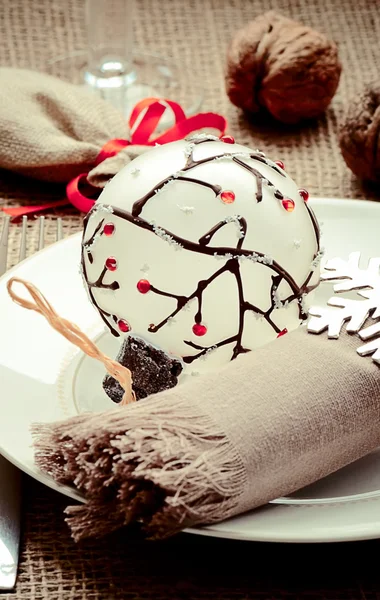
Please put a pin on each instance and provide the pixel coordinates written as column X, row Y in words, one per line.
column 143, row 122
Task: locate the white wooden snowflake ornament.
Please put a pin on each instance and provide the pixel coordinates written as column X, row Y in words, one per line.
column 339, row 310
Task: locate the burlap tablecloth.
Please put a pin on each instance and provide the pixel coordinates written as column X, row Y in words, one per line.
column 196, row 32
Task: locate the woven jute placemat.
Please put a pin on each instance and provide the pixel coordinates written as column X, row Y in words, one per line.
column 196, row 34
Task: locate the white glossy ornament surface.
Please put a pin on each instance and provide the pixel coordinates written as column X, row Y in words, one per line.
column 187, row 210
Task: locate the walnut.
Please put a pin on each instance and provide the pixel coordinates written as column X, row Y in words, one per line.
column 289, row 69
column 359, row 136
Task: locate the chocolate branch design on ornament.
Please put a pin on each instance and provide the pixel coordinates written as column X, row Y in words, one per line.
column 191, row 164
column 232, row 255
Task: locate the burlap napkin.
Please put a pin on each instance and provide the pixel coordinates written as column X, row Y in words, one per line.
column 272, row 421
column 53, row 131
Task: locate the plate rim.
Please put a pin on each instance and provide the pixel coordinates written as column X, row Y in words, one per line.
column 221, row 529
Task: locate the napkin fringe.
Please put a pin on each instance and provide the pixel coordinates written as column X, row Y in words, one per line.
column 173, row 467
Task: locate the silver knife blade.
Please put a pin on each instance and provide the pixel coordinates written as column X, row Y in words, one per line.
column 10, row 476
column 10, row 518
column 10, row 481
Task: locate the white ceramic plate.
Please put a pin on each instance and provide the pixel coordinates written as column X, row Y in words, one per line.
column 44, row 378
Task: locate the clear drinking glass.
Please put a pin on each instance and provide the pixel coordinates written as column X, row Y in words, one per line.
column 112, row 68
column 110, row 43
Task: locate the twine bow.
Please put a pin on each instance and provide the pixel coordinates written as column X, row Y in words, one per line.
column 143, row 123
column 73, row 334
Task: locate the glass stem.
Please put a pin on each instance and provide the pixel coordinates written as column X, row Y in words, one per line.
column 110, row 38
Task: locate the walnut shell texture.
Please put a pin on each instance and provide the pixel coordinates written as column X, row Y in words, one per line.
column 291, row 70
column 359, row 136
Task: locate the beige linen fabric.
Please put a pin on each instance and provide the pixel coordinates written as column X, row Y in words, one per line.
column 271, row 422
column 53, row 130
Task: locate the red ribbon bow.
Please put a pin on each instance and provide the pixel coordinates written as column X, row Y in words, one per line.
column 143, row 122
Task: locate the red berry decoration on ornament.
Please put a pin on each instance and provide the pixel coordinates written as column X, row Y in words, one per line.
column 227, row 197
column 288, row 204
column 304, row 194
column 123, row 325
column 143, row 286
column 109, row 229
column 227, row 139
column 111, row 263
column 280, row 164
column 283, row 332
column 199, row 329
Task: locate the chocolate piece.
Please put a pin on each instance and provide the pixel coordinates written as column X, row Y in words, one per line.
column 152, row 370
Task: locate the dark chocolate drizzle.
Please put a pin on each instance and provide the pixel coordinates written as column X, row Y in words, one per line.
column 205, row 239
column 231, row 254
column 103, row 314
column 206, row 249
column 183, row 300
column 191, row 164
column 259, row 178
column 99, row 283
column 139, row 205
column 90, row 241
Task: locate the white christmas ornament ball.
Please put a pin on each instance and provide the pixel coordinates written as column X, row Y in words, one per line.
column 203, row 249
